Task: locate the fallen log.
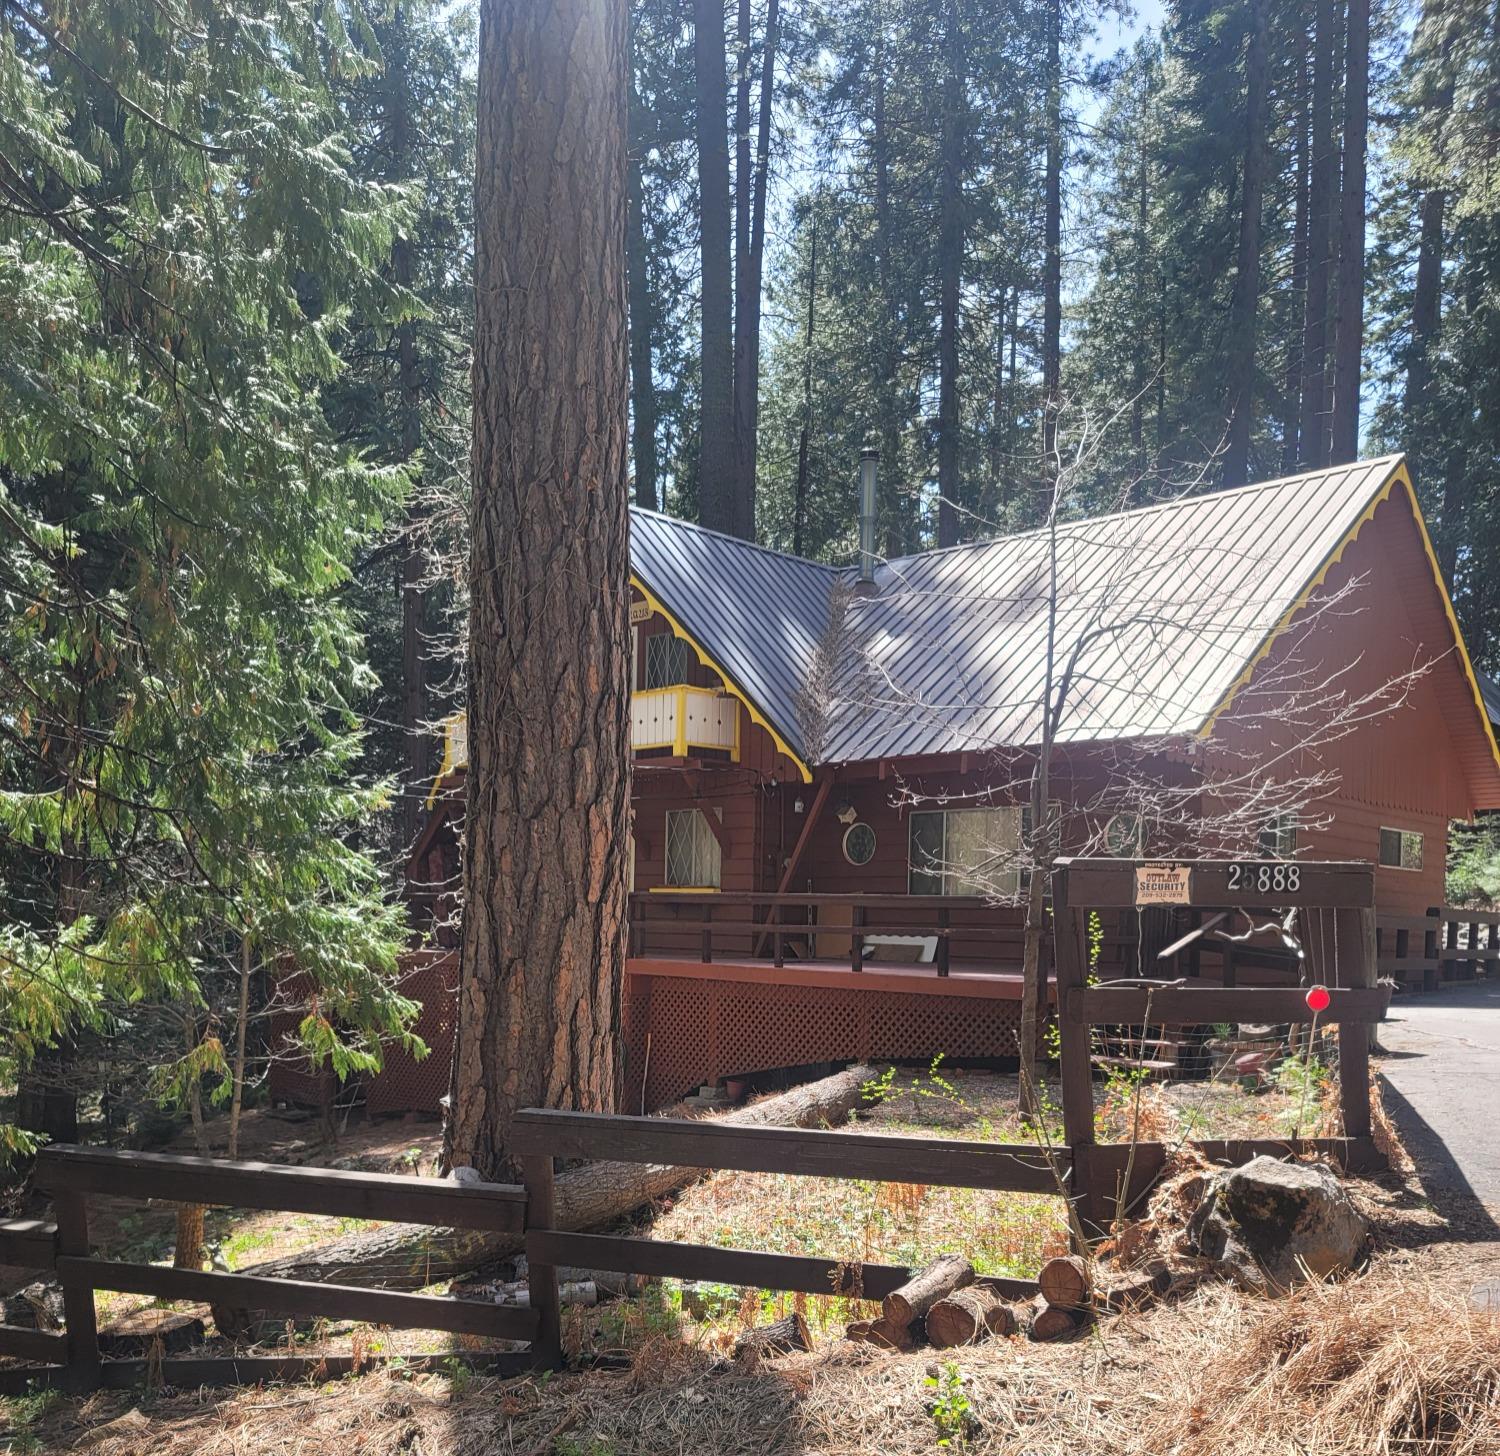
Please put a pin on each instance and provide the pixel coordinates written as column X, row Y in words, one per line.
column 1065, row 1282
column 881, row 1333
column 781, row 1338
column 923, row 1290
column 1050, row 1322
column 968, row 1316
column 412, row 1256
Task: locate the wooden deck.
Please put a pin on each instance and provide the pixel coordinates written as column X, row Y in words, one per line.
column 989, row 982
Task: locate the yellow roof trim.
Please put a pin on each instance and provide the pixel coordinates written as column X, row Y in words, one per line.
column 756, row 716
column 447, row 767
column 1399, row 476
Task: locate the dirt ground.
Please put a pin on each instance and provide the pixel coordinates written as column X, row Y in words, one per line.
column 1395, row 1360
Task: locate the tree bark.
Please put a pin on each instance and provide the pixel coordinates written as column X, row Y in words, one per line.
column 749, row 270
column 1065, row 1282
column 411, row 1256
column 784, row 1337
column 716, row 453
column 416, row 739
column 923, row 1290
column 1348, row 356
column 968, row 1316
column 1291, row 392
column 950, row 271
column 1246, row 298
column 1313, row 425
column 643, row 413
column 1052, row 248
column 548, row 815
column 804, row 435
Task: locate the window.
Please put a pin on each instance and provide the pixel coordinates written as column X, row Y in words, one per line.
column 1125, row 836
column 1401, row 849
column 1278, row 837
column 972, row 852
column 694, row 859
column 859, row 844
column 666, row 661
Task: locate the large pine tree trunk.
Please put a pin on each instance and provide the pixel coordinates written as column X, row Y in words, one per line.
column 1246, row 298
column 1052, row 247
column 642, row 328
column 716, row 453
column 750, row 268
column 1291, row 397
column 1313, row 426
column 543, row 949
column 1349, row 346
column 950, row 271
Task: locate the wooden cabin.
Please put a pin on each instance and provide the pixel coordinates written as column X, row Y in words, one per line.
column 833, row 764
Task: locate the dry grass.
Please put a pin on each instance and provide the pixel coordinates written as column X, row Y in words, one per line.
column 1387, row 1365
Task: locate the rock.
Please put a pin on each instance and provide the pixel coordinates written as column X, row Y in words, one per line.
column 38, row 1306
column 1271, row 1224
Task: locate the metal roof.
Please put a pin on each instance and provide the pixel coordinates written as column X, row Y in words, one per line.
column 1162, row 611
column 758, row 614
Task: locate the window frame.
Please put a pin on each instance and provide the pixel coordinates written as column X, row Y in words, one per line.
column 678, row 666
column 1277, row 837
column 1404, row 840
column 957, row 883
column 712, row 881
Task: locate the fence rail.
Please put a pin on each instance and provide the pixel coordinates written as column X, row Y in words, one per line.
column 1099, row 1180
column 937, row 930
column 1448, row 945
column 74, row 1175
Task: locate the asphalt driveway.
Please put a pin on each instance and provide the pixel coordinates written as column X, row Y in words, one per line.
column 1442, row 1072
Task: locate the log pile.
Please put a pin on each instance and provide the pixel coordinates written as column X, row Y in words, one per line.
column 946, row 1305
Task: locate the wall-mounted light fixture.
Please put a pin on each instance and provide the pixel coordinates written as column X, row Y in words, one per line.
column 797, row 805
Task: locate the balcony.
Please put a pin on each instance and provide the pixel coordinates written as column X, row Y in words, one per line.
column 683, row 718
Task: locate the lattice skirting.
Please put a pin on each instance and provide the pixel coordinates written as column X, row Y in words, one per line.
column 681, row 1032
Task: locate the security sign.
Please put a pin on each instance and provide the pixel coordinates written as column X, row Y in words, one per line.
column 1163, row 884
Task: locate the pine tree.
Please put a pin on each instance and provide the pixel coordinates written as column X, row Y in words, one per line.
column 181, row 674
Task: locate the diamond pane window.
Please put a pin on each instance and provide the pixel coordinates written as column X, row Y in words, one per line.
column 694, row 859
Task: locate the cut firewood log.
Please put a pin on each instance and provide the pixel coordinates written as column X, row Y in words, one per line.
column 1065, row 1282
column 135, row 1334
column 1051, row 1322
column 882, row 1333
column 1135, row 1291
column 967, row 1316
column 923, row 1290
column 589, row 1196
column 781, row 1338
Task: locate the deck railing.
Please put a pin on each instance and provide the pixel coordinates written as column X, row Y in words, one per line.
column 1447, row 945
column 933, row 930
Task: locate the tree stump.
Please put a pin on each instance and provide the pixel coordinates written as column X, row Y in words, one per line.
column 923, row 1290
column 781, row 1338
column 968, row 1316
column 134, row 1334
column 1065, row 1282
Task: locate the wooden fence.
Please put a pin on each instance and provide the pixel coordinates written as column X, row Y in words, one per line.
column 74, row 1175
column 1445, row 946
column 1099, row 1180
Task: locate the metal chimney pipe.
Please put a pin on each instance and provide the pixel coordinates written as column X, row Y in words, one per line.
column 869, row 461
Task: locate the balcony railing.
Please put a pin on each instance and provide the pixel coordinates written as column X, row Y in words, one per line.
column 683, row 718
column 937, row 931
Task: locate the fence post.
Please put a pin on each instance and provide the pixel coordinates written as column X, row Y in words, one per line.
column 1356, row 928
column 1074, row 1052
column 78, row 1297
column 541, row 1279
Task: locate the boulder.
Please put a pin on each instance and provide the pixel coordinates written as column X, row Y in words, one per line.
column 1271, row 1224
